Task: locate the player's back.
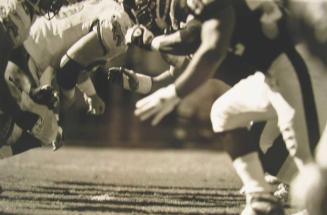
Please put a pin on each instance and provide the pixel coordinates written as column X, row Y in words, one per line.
column 50, row 39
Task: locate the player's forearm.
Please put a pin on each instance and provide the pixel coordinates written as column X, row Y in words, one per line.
column 162, row 80
column 173, row 44
column 203, row 65
column 216, row 35
column 169, row 76
column 183, row 42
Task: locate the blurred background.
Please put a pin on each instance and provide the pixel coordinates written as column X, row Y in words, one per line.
column 186, row 127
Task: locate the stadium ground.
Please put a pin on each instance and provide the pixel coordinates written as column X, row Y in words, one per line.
column 119, row 181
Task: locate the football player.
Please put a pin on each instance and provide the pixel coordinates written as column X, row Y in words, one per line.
column 219, row 30
column 14, row 139
column 49, row 40
column 97, row 30
column 16, row 18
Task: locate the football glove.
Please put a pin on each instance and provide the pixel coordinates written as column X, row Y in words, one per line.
column 130, row 80
column 157, row 105
column 140, row 36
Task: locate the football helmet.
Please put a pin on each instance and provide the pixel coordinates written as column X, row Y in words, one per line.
column 153, row 14
column 47, row 7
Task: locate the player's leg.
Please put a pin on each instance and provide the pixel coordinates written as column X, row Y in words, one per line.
column 233, row 112
column 83, row 53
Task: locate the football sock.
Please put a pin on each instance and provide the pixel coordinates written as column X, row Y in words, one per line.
column 249, row 169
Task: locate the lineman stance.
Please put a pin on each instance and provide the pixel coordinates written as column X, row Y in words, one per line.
column 219, row 24
column 37, row 121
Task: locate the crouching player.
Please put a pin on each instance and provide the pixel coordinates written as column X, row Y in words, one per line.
column 101, row 26
column 40, row 101
column 218, row 25
column 16, row 18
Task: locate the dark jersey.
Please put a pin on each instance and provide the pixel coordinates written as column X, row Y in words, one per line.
column 251, row 43
column 251, row 50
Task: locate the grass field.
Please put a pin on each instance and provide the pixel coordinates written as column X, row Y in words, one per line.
column 119, row 181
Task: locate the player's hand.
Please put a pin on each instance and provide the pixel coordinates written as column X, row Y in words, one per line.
column 157, row 105
column 46, row 128
column 140, row 36
column 96, row 105
column 125, row 78
column 130, row 80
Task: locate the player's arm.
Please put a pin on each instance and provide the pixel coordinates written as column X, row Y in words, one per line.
column 216, row 34
column 182, row 42
column 144, row 84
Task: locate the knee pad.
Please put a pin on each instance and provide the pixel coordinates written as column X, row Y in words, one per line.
column 68, row 74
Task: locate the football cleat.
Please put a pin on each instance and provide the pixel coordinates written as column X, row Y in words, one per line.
column 262, row 204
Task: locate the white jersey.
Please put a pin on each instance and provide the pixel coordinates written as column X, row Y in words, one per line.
column 50, row 39
column 17, row 20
